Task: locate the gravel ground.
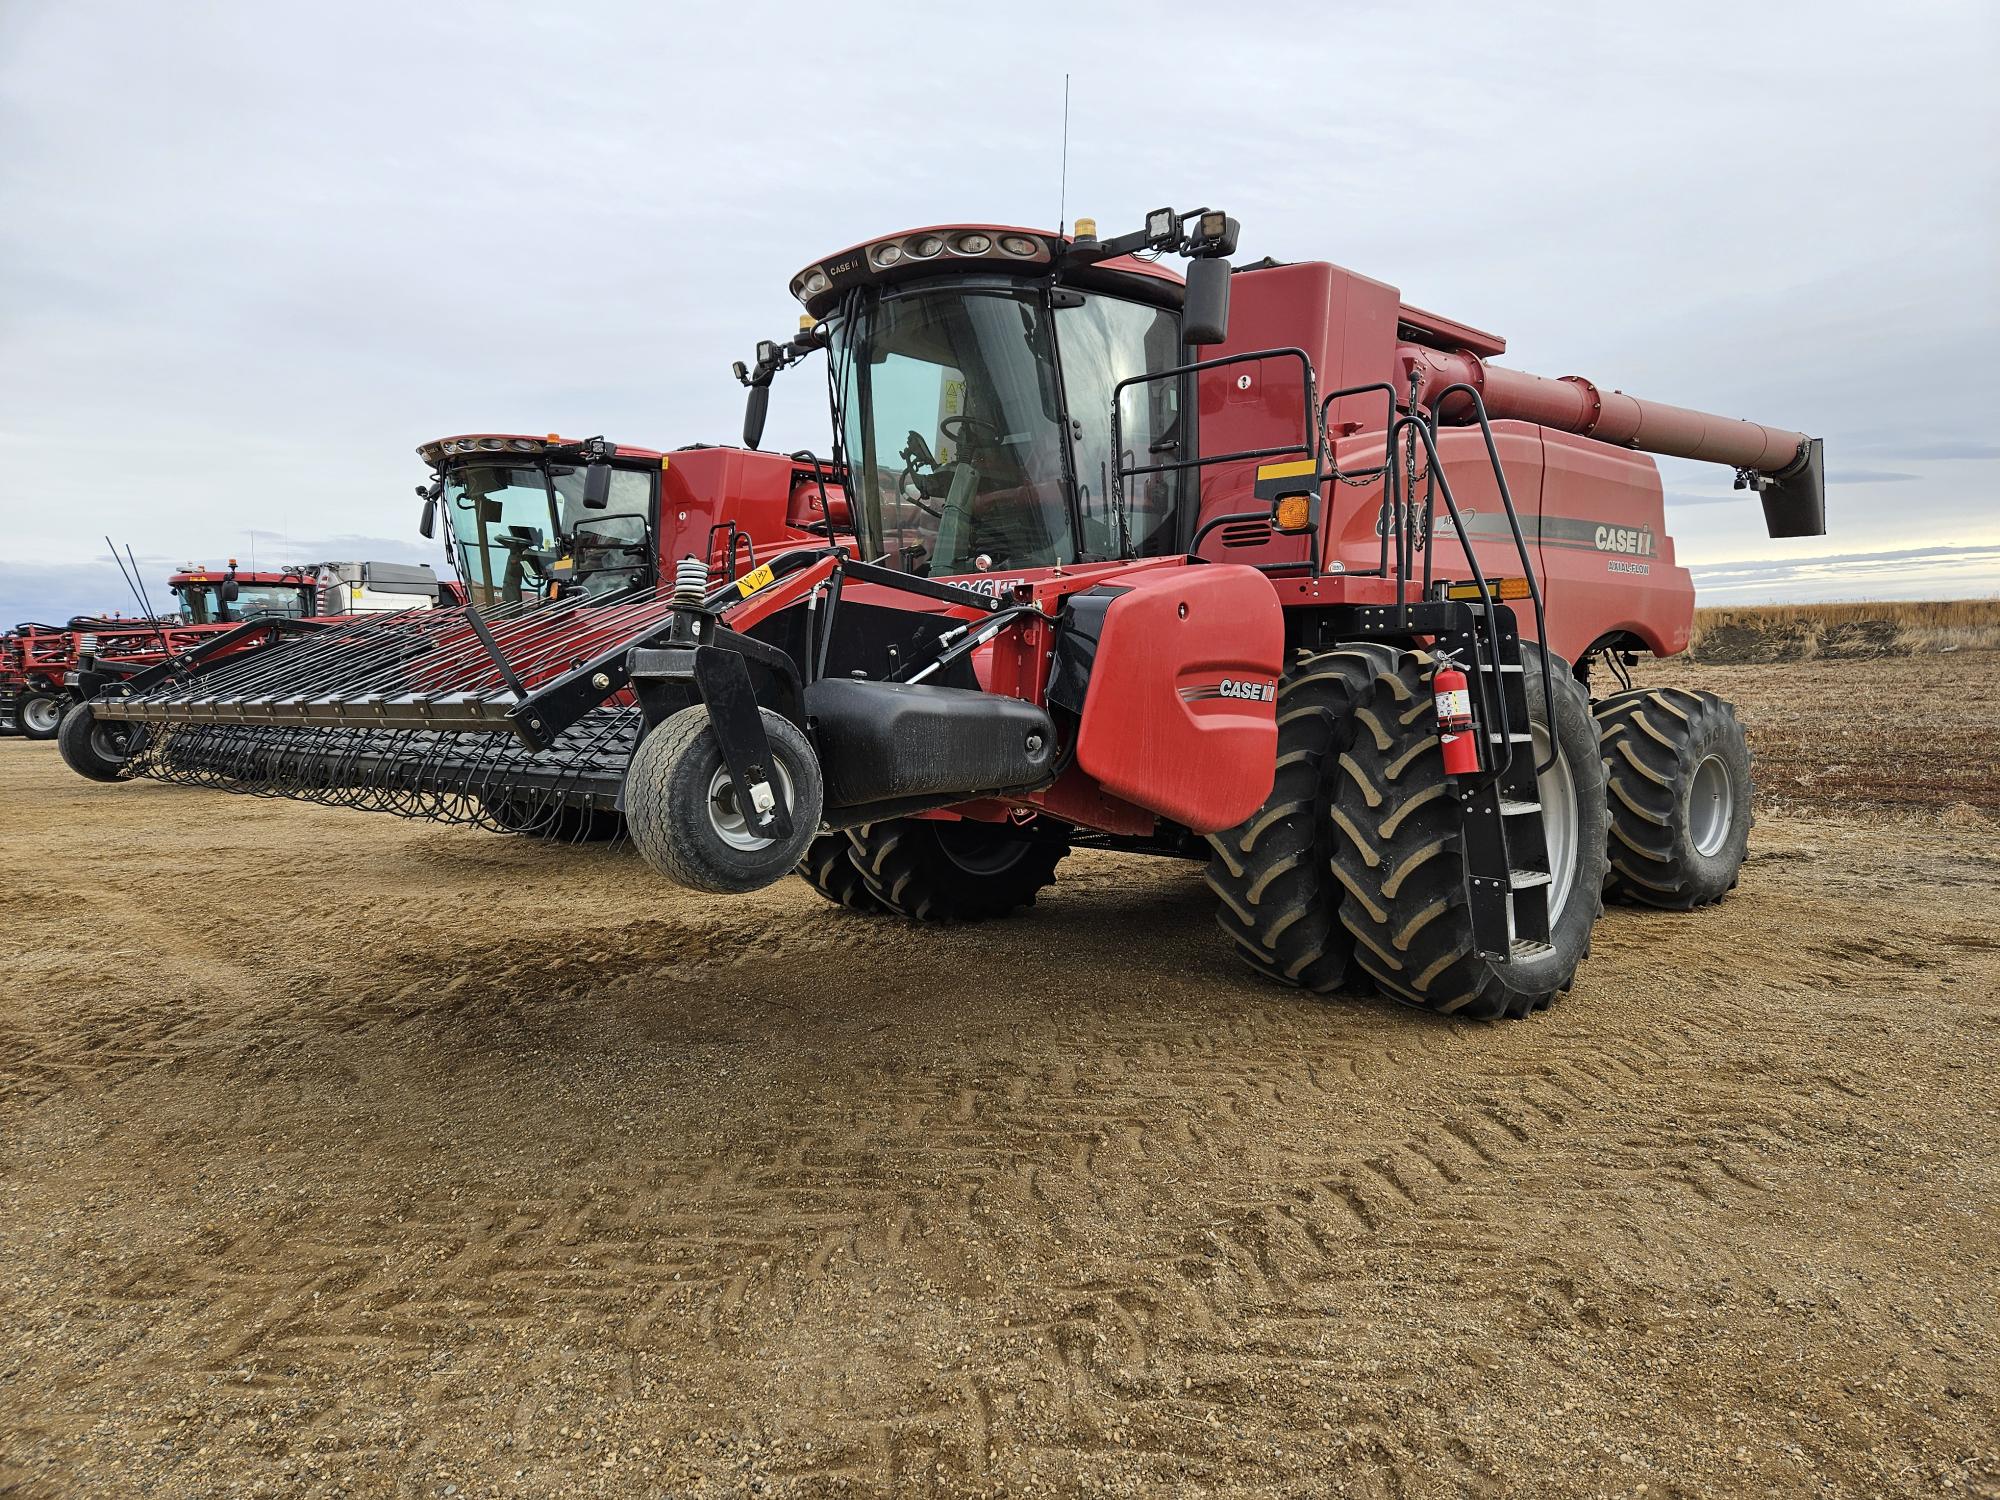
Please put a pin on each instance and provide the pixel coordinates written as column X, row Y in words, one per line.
column 346, row 1156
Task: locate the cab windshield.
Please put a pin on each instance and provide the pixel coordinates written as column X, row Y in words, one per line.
column 203, row 603
column 515, row 529
column 955, row 430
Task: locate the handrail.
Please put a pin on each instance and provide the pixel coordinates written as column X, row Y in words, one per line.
column 1307, row 444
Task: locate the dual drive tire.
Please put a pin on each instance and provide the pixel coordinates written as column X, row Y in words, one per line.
column 1352, row 873
column 1400, row 859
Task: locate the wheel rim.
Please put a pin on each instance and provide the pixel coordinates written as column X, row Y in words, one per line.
column 726, row 817
column 1711, row 806
column 979, row 849
column 1557, row 790
column 110, row 744
column 41, row 714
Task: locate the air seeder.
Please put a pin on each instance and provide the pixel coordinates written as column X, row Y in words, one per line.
column 90, row 655
column 63, row 664
column 1263, row 567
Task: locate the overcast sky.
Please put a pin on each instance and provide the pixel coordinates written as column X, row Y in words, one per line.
column 252, row 254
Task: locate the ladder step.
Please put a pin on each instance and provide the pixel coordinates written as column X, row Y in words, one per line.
column 1521, row 880
column 1527, row 948
column 1512, row 809
column 1517, row 737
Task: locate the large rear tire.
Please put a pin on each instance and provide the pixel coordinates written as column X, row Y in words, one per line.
column 1273, row 872
column 954, row 870
column 96, row 748
column 1678, row 769
column 1401, row 860
column 829, row 868
column 41, row 713
column 682, row 811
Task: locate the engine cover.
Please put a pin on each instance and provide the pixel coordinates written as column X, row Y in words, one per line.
column 885, row 741
column 1180, row 705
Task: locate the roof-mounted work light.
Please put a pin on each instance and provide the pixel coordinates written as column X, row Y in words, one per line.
column 1214, row 235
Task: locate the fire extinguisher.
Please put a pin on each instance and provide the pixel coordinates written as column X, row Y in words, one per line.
column 1454, row 718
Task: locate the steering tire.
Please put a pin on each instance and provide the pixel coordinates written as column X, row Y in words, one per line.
column 682, row 812
column 1679, row 770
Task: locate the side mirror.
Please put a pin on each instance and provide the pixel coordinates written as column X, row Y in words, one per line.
column 1205, row 313
column 228, row 591
column 427, row 522
column 754, row 412
column 597, row 487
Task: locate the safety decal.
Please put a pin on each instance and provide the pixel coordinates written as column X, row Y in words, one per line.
column 749, row 583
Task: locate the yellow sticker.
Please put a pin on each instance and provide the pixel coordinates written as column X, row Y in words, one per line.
column 564, row 562
column 749, row 583
column 1291, row 470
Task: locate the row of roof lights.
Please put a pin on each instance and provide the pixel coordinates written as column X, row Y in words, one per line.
column 888, row 254
column 491, row 445
column 927, row 246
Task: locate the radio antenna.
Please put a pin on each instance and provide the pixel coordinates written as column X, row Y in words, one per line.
column 1062, row 200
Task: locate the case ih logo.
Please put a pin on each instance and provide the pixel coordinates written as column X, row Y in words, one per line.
column 1635, row 540
column 1247, row 688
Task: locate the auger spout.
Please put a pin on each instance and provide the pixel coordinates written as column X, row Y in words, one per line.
column 1784, row 467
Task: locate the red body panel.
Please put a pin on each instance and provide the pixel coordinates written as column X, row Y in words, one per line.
column 1591, row 513
column 767, row 495
column 1180, row 716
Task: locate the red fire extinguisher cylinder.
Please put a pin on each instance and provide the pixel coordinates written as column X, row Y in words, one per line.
column 1454, row 719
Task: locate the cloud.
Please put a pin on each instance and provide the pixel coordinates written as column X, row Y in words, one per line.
column 252, row 255
column 1944, row 450
column 1870, row 476
column 1901, row 573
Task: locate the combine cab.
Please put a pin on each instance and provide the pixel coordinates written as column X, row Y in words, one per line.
column 1267, row 569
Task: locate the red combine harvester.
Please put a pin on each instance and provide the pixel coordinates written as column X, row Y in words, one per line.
column 530, row 521
column 1263, row 567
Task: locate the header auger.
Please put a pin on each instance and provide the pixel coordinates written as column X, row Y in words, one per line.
column 1206, row 567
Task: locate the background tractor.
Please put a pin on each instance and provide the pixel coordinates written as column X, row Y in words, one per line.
column 1262, row 567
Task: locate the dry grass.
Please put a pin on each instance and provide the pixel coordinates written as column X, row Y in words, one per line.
column 1786, row 631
